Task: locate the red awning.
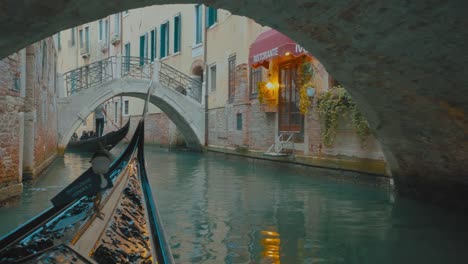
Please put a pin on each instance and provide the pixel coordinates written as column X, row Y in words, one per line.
column 271, row 44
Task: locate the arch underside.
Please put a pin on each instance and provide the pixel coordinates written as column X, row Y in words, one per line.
column 402, row 61
column 187, row 131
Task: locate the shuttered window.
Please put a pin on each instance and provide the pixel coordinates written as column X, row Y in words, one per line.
column 177, row 33
column 164, row 45
column 153, row 44
column 198, row 24
column 211, row 16
column 232, row 78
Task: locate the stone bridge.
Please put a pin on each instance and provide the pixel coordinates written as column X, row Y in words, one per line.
column 403, row 62
column 176, row 94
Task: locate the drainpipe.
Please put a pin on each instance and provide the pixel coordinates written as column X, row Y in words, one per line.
column 205, row 56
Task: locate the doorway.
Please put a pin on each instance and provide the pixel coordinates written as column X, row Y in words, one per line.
column 290, row 118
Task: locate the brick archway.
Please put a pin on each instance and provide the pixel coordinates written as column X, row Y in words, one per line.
column 401, row 61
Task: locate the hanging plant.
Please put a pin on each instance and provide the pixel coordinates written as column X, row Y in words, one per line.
column 360, row 124
column 305, row 79
column 335, row 103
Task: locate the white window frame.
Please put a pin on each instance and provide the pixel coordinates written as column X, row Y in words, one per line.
column 126, row 112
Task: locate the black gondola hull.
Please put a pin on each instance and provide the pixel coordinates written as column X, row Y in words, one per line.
column 108, row 141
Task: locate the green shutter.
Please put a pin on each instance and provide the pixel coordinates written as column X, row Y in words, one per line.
column 142, row 50
column 152, row 45
column 177, row 31
column 211, row 16
column 162, row 48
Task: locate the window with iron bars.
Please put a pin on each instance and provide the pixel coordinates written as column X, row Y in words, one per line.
column 232, row 78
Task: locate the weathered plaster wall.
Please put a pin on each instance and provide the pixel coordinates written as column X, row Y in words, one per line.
column 43, row 101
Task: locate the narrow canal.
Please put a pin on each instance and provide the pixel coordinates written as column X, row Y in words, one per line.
column 226, row 209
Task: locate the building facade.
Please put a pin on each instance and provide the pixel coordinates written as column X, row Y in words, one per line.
column 254, row 98
column 28, row 134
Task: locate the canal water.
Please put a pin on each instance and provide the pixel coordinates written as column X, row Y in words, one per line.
column 226, row 209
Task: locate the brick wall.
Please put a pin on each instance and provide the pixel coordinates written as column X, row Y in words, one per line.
column 259, row 127
column 11, row 104
column 28, row 130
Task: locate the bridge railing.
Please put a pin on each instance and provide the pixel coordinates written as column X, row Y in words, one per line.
column 135, row 67
column 180, row 82
column 89, row 75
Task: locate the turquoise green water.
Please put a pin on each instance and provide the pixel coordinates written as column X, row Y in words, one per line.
column 225, row 209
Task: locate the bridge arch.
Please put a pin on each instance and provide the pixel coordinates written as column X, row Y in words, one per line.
column 402, row 61
column 186, row 116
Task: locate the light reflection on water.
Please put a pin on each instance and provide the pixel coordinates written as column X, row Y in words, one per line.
column 224, row 209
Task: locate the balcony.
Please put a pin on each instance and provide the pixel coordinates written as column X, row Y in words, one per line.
column 84, row 51
column 103, row 45
column 115, row 39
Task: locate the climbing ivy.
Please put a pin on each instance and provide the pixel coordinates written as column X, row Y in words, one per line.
column 335, row 103
column 304, row 80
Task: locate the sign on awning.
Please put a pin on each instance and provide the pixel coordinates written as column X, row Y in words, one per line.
column 271, row 44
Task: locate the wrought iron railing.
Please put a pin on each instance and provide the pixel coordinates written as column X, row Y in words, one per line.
column 135, row 67
column 89, row 75
column 180, row 82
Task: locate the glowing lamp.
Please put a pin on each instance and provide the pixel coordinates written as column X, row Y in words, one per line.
column 269, row 86
column 310, row 91
column 287, row 53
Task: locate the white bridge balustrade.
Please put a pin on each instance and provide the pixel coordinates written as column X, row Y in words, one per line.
column 175, row 93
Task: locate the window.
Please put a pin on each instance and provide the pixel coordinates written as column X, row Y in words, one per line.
column 72, row 38
column 44, row 59
column 211, row 16
column 153, row 44
column 100, row 29
column 59, row 46
column 177, row 33
column 143, row 49
column 87, row 38
column 198, row 24
column 127, row 57
column 256, row 76
column 232, row 78
column 116, row 107
column 116, row 24
column 164, row 45
column 106, row 31
column 239, row 121
column 81, row 39
column 126, row 107
column 213, row 78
